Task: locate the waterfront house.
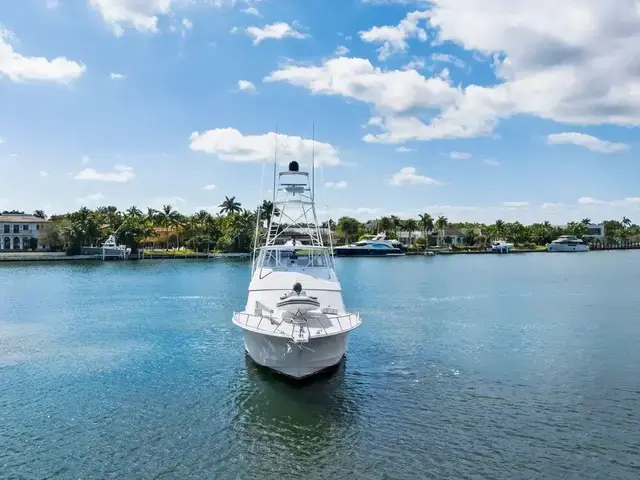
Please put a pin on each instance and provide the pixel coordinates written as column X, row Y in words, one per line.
column 21, row 232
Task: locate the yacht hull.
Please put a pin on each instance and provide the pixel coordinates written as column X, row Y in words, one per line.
column 366, row 252
column 567, row 248
column 295, row 361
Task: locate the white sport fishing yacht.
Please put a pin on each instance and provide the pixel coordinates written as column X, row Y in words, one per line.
column 377, row 246
column 294, row 321
column 567, row 243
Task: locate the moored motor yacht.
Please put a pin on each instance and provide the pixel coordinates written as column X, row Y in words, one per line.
column 567, row 243
column 295, row 321
column 501, row 246
column 377, row 246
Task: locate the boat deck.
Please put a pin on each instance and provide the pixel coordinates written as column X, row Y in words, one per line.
column 300, row 329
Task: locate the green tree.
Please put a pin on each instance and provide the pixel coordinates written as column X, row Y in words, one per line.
column 167, row 217
column 426, row 222
column 441, row 224
column 348, row 228
column 411, row 226
column 385, row 224
column 39, row 214
column 229, row 205
column 626, row 222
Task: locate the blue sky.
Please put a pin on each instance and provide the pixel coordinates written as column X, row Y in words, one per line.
column 474, row 112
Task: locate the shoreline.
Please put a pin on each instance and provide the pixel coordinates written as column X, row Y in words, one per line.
column 62, row 257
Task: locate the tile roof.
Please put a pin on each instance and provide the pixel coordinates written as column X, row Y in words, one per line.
column 21, row 219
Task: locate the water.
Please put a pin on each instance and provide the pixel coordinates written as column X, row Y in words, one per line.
column 511, row 366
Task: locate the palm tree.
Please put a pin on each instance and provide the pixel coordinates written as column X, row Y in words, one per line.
column 441, row 223
column 39, row 214
column 385, row 224
column 396, row 224
column 586, row 221
column 229, row 205
column 426, row 221
column 500, row 228
column 267, row 209
column 626, row 222
column 167, row 217
column 411, row 226
column 134, row 211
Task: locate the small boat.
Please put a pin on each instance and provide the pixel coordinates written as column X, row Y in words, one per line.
column 377, row 246
column 297, row 301
column 567, row 243
column 109, row 249
column 500, row 246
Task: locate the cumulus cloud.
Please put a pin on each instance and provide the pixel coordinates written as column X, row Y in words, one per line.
column 580, row 66
column 336, row 185
column 592, row 143
column 231, row 145
column 120, row 173
column 340, row 51
column 117, row 76
column 404, row 149
column 141, row 15
column 246, row 86
column 275, row 31
column 409, row 176
column 21, row 68
column 394, row 38
column 516, row 204
column 209, row 187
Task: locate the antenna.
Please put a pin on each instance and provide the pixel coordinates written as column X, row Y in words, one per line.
column 275, row 163
column 313, row 156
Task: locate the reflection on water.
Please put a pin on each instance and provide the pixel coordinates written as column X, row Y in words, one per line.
column 522, row 366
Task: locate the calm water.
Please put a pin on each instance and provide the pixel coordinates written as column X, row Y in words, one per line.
column 513, row 366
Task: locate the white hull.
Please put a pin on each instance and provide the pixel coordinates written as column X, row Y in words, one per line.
column 567, row 248
column 282, row 355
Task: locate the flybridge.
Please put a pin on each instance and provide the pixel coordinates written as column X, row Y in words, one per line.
column 294, row 214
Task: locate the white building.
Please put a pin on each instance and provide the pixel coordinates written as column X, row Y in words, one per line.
column 594, row 232
column 16, row 231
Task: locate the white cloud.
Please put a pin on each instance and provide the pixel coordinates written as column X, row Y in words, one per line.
column 516, row 204
column 336, row 185
column 492, row 162
column 90, row 198
column 231, row 145
column 404, row 149
column 590, row 201
column 341, row 51
column 117, row 76
column 418, row 63
column 1, row 140
column 446, row 58
column 394, row 38
column 389, row 91
column 246, row 86
column 53, row 4
column 187, row 24
column 19, row 68
column 460, row 155
column 552, row 205
column 211, row 186
column 84, row 160
column 252, row 11
column 43, row 173
column 120, row 173
column 409, row 176
column 139, row 14
column 578, row 67
column 275, row 31
column 592, row 143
